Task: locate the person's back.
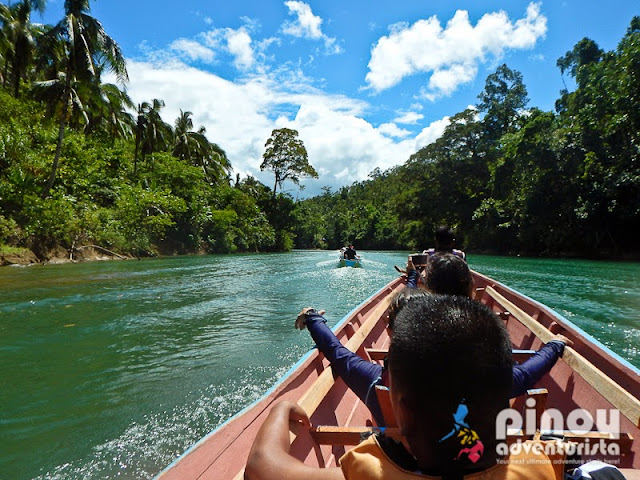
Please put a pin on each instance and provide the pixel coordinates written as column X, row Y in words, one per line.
column 448, row 274
column 450, row 369
column 350, row 253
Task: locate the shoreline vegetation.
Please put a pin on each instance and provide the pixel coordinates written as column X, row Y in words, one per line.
column 86, row 173
column 22, row 257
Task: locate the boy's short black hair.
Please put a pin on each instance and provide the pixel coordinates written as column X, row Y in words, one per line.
column 444, row 236
column 448, row 274
column 448, row 348
column 400, row 299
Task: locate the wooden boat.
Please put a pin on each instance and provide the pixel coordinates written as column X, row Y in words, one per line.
column 589, row 376
column 344, row 262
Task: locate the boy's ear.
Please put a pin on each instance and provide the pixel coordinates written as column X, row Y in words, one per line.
column 405, row 415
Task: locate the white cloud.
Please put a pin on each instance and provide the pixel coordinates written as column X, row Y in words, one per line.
column 193, row 50
column 236, row 42
column 430, row 134
column 409, row 118
column 451, row 54
column 307, row 25
column 445, row 81
column 239, row 45
column 239, row 116
column 392, row 130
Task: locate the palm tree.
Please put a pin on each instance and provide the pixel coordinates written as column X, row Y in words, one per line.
column 186, row 141
column 217, row 165
column 19, row 39
column 6, row 46
column 109, row 108
column 152, row 133
column 194, row 147
column 87, row 49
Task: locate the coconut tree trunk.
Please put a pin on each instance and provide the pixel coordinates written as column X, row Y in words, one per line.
column 56, row 159
column 61, row 127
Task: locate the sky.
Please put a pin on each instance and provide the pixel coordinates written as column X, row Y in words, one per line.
column 365, row 83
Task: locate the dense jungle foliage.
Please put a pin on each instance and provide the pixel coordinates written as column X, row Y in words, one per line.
column 81, row 164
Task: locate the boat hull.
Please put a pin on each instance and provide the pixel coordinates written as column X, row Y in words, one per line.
column 343, row 262
column 223, row 453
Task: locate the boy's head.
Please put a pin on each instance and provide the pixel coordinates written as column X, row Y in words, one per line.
column 448, row 274
column 447, row 351
column 400, row 300
column 444, row 238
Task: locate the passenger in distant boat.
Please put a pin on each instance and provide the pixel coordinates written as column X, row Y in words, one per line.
column 450, row 371
column 350, row 253
column 444, row 240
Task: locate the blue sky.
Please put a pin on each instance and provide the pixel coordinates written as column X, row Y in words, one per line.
column 366, row 83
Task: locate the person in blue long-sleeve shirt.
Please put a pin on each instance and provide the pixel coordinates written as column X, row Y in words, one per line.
column 361, row 376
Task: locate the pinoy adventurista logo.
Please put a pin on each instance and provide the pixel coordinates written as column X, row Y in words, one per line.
column 553, row 424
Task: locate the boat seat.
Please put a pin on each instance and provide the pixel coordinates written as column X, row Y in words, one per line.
column 620, row 398
column 630, row 473
column 384, row 400
column 378, row 354
column 520, row 356
column 334, row 435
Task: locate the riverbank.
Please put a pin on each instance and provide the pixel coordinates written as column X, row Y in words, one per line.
column 14, row 256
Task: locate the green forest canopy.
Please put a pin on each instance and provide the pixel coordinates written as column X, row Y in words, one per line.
column 81, row 164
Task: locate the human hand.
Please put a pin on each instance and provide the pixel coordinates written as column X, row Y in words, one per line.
column 298, row 418
column 556, row 329
column 301, row 319
column 410, row 265
column 563, row 339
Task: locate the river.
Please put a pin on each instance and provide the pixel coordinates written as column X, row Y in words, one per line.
column 112, row 369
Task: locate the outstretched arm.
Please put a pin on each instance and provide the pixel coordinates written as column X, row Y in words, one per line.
column 360, row 375
column 527, row 374
column 269, row 458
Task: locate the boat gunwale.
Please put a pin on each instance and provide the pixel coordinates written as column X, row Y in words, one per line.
column 590, row 339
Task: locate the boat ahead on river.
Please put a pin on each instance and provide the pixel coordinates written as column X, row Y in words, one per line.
column 345, row 262
column 588, row 376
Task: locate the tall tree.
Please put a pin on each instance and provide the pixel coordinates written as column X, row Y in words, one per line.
column 113, row 105
column 185, row 139
column 194, row 147
column 286, row 157
column 87, row 50
column 152, row 133
column 502, row 99
column 19, row 38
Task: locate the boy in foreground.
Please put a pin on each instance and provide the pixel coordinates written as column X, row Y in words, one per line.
column 450, row 371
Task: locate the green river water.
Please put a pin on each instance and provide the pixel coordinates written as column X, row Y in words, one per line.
column 112, row 369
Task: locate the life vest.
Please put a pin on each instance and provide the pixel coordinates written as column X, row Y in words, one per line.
column 367, row 461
